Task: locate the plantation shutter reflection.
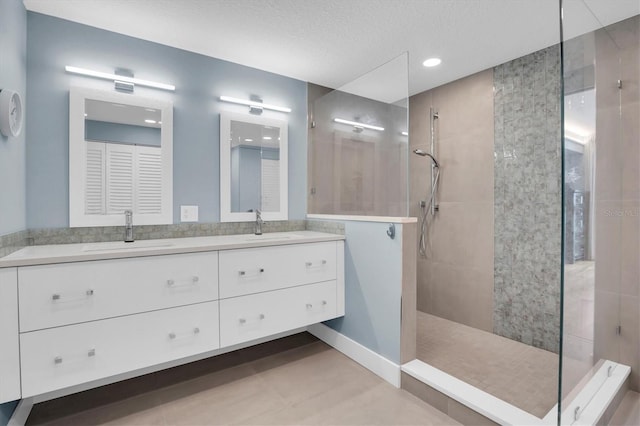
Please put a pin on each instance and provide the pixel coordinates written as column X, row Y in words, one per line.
column 120, row 178
column 149, row 180
column 123, row 177
column 95, row 178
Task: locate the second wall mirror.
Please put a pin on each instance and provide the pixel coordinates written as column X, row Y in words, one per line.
column 253, row 167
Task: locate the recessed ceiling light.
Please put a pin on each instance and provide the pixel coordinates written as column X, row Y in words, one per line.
column 248, row 140
column 432, row 62
column 150, row 121
column 266, row 138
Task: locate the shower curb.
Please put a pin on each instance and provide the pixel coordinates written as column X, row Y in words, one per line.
column 599, row 397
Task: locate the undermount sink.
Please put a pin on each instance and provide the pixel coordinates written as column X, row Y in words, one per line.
column 272, row 237
column 121, row 245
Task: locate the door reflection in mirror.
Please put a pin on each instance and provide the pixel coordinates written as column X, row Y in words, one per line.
column 124, row 158
column 255, row 167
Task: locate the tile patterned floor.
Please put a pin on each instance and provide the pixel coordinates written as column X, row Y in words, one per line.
column 519, row 374
column 310, row 384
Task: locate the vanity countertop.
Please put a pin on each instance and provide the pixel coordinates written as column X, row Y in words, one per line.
column 60, row 253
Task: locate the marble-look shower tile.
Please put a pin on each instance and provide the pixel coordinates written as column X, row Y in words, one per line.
column 465, row 106
column 462, row 235
column 463, row 295
column 608, row 230
column 631, row 146
column 607, row 311
column 419, row 130
column 419, row 179
column 467, row 163
column 630, row 337
column 630, row 248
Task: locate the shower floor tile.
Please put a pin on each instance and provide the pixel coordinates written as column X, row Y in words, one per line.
column 519, row 374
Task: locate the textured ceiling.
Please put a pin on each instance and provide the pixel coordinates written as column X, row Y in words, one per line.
column 332, row 42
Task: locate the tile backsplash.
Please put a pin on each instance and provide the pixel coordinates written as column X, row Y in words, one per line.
column 13, row 242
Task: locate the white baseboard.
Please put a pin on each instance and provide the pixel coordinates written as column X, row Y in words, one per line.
column 21, row 413
column 364, row 356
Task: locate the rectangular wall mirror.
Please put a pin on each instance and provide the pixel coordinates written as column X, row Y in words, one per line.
column 120, row 158
column 253, row 167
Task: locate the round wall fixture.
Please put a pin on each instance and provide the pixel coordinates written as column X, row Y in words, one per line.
column 11, row 113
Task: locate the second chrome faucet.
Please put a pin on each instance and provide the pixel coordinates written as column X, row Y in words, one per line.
column 259, row 222
column 128, row 226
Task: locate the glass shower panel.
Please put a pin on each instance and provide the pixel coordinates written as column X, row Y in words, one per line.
column 358, row 145
column 601, row 207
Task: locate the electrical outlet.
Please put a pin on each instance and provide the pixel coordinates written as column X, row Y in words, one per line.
column 188, row 213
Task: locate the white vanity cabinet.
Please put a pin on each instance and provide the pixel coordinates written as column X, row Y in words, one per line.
column 88, row 320
column 9, row 346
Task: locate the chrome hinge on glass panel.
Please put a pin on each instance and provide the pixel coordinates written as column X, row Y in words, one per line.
column 619, row 330
column 619, row 84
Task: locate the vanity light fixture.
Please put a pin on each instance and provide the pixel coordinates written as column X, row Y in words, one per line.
column 119, row 78
column 357, row 125
column 254, row 104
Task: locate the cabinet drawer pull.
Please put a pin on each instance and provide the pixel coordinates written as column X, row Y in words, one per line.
column 244, row 273
column 58, row 296
column 173, row 335
column 172, row 283
column 310, row 305
column 243, row 321
column 319, row 263
column 90, row 353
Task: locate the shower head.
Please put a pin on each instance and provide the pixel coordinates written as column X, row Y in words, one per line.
column 426, row 154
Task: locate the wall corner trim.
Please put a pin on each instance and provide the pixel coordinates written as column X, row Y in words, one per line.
column 372, row 361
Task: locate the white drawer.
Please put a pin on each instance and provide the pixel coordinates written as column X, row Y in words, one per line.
column 250, row 317
column 255, row 270
column 55, row 295
column 66, row 356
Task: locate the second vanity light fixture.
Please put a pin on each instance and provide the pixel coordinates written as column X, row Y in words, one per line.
column 254, row 106
column 358, row 126
column 119, row 78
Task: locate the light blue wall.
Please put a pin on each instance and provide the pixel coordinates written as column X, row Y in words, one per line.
column 373, row 284
column 125, row 133
column 13, row 76
column 53, row 43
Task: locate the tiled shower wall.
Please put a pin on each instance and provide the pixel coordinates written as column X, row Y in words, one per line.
column 527, row 199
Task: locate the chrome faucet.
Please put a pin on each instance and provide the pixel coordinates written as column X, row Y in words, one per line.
column 259, row 222
column 128, row 226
